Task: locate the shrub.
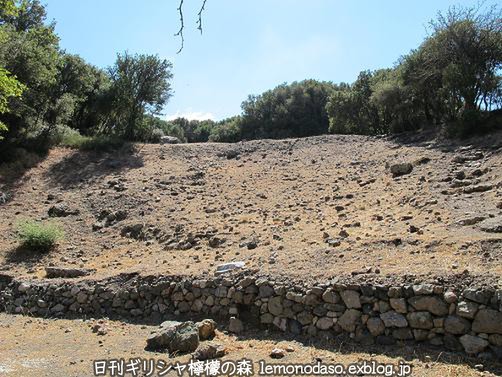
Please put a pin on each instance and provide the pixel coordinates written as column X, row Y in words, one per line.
column 103, row 143
column 156, row 135
column 172, row 129
column 65, row 136
column 75, row 141
column 39, row 237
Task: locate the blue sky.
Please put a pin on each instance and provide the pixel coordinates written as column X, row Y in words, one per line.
column 247, row 47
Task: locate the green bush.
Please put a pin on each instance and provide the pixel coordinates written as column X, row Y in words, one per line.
column 103, row 143
column 74, row 141
column 40, row 237
column 149, row 134
column 172, row 129
column 65, row 136
column 227, row 131
column 156, row 135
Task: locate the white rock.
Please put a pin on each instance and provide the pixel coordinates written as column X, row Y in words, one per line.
column 223, row 268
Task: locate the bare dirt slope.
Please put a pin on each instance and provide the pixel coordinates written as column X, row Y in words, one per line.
column 306, row 208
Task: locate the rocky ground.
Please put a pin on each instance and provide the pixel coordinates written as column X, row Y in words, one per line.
column 72, row 347
column 309, row 208
column 354, row 208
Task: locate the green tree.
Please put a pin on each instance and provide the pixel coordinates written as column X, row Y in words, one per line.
column 140, row 85
column 23, row 15
column 78, row 94
column 172, row 129
column 195, row 131
column 343, row 109
column 456, row 69
column 9, row 87
column 467, row 47
column 227, row 130
column 32, row 57
column 425, row 85
column 8, row 8
column 294, row 110
column 351, row 110
column 397, row 107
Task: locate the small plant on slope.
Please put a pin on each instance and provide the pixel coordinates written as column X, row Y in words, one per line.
column 40, row 237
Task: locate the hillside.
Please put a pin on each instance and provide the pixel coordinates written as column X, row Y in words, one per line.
column 313, row 208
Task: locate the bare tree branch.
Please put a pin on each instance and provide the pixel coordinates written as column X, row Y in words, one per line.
column 182, row 27
column 199, row 15
column 182, row 22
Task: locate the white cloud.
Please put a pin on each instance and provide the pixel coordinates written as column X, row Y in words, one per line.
column 190, row 115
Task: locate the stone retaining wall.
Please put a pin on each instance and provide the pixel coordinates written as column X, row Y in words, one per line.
column 467, row 319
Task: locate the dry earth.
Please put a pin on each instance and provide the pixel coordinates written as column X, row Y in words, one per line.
column 72, row 347
column 306, row 209
column 309, row 208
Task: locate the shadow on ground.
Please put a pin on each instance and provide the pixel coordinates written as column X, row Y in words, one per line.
column 83, row 167
column 434, row 139
column 23, row 255
column 405, row 351
column 13, row 172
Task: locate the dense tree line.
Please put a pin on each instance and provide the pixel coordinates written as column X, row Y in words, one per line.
column 297, row 109
column 452, row 80
column 196, row 131
column 47, row 94
column 294, row 110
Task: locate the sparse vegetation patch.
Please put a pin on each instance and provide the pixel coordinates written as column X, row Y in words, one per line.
column 37, row 236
